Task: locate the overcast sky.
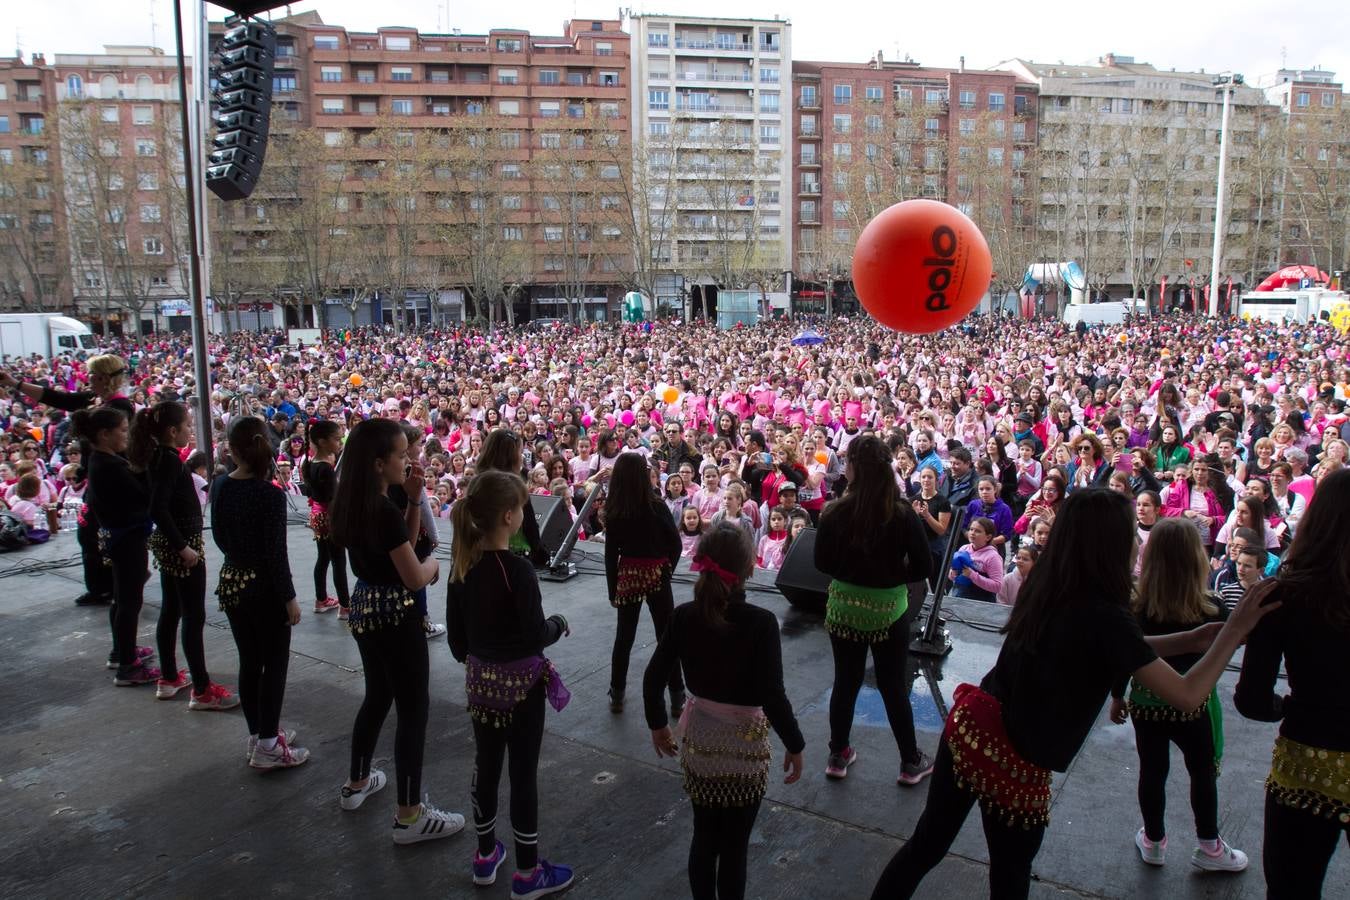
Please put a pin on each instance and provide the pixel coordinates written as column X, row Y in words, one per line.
column 1247, row 36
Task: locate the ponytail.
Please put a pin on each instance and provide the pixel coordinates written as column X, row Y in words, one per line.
column 86, row 424
column 250, row 448
column 712, row 596
column 488, row 496
column 723, row 559
column 148, row 428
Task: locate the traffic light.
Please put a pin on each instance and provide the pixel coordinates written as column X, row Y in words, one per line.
column 244, row 102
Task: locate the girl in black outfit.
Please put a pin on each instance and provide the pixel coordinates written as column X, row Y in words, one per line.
column 497, row 627
column 641, row 549
column 873, row 546
column 107, row 378
column 1171, row 597
column 384, row 622
column 730, row 650
column 119, row 499
column 1308, row 791
column 248, row 524
column 1069, row 639
column 319, row 477
column 502, row 453
column 157, row 434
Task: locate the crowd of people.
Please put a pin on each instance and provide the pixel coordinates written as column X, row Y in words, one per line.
column 1202, row 444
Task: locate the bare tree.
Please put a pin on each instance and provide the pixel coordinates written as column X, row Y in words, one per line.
column 27, row 232
column 1317, row 177
column 638, row 207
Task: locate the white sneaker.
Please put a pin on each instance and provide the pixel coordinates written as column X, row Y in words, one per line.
column 1149, row 852
column 287, row 733
column 352, row 799
column 433, row 630
column 282, row 756
column 1226, row 860
column 431, row 824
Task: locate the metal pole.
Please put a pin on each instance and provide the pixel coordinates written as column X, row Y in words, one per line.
column 192, row 141
column 1219, row 201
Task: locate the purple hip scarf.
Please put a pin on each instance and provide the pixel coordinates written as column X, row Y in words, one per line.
column 495, row 689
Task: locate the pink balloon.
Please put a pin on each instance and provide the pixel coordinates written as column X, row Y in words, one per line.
column 626, row 417
column 587, row 421
column 609, row 419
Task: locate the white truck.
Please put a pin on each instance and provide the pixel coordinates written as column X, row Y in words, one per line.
column 46, row 334
column 1108, row 312
column 1294, row 305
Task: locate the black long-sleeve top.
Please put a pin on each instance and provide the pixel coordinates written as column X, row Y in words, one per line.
column 248, row 524
column 496, row 612
column 173, row 498
column 740, row 663
column 651, row 536
column 119, row 497
column 320, row 481
column 1181, row 662
column 1316, row 653
column 893, row 554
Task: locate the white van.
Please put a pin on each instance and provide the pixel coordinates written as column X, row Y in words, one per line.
column 1110, row 312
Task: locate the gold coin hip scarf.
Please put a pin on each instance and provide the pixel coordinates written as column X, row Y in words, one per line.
column 986, row 764
column 318, row 521
column 378, row 606
column 495, row 689
column 859, row 613
column 638, row 577
column 167, row 559
column 1310, row 778
column 724, row 753
column 235, row 585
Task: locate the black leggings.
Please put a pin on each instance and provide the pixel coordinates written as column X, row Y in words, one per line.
column 129, row 559
column 718, row 851
column 263, row 637
column 331, row 553
column 185, row 599
column 1297, row 849
column 889, row 659
column 97, row 576
column 523, row 738
column 1012, row 848
column 395, row 664
column 1154, row 741
column 661, row 603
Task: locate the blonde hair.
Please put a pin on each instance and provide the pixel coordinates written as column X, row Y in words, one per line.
column 112, row 367
column 1172, row 579
column 490, row 494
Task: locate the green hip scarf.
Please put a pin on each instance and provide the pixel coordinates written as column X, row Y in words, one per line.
column 859, row 613
column 1149, row 707
column 518, row 544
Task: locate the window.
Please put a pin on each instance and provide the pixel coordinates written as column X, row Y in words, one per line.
column 363, row 76
column 548, row 76
column 966, row 126
column 368, row 108
column 147, row 181
column 576, row 110
column 145, row 147
column 931, row 127
column 150, row 212
column 808, row 98
column 965, row 154
column 997, row 102
column 4, row 124
column 840, row 180
column 74, row 87
column 1019, row 159
column 609, row 110
column 903, row 96
column 440, row 108
column 1328, row 99
column 92, row 280
column 473, row 108
column 1105, row 105
column 332, row 139
column 550, row 141
column 873, row 124
column 808, row 211
column 768, row 102
column 142, row 115
column 325, row 42
column 769, row 134
column 397, row 42
column 1126, row 105
column 333, row 105
column 997, row 127
column 658, row 39
column 1019, row 131
column 283, row 83
column 401, row 106
column 513, row 233
column 153, row 246
column 658, row 129
column 609, row 172
column 933, row 96
column 966, row 99
column 1304, row 98
column 843, row 152
column 508, row 107
column 553, row 233
column 511, row 171
column 843, row 94
column 550, row 202
column 609, row 79
column 553, row 264
column 512, row 201
column 401, row 73
column 549, row 109
column 1020, row 104
column 932, row 158
column 108, row 114
column 576, row 79
column 509, row 140
column 285, row 47
column 159, row 281
column 604, row 48
column 843, row 123
column 930, row 185
column 840, row 209
column 508, row 76
column 768, row 75
column 508, row 45
column 996, row 156
column 809, row 154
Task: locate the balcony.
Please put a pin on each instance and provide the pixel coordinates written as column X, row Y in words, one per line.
column 812, row 103
column 810, row 162
column 810, row 188
column 714, row 108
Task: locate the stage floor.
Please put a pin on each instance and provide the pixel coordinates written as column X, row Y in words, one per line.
column 109, row 793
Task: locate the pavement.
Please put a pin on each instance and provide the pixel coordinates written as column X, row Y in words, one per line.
column 106, row 792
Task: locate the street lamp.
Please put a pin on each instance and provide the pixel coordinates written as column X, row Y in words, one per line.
column 1225, row 83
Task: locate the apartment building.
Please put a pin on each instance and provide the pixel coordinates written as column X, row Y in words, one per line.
column 33, row 255
column 1314, row 202
column 515, row 143
column 713, row 148
column 875, row 133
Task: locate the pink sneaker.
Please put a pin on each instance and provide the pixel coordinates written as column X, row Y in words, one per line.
column 327, row 604
column 166, row 689
column 136, row 675
column 215, row 698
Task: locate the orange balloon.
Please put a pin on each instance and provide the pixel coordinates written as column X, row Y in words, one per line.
column 670, row 395
column 920, row 266
column 356, row 380
column 822, row 457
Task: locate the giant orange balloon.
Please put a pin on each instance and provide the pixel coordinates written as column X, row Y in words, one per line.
column 921, row 266
column 355, row 380
column 670, row 395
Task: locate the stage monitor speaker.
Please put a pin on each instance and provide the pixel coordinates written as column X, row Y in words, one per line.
column 799, row 580
column 553, row 520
